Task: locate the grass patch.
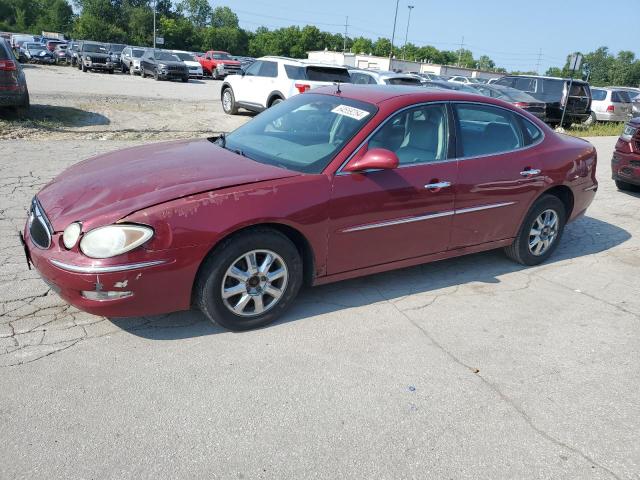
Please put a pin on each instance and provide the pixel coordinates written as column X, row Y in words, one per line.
column 598, row 129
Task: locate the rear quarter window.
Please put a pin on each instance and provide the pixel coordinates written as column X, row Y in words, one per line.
column 294, row 72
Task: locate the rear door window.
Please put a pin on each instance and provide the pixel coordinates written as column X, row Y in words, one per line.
column 526, row 84
column 268, row 69
column 487, row 130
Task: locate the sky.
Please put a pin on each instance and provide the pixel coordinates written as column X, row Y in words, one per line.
column 515, row 34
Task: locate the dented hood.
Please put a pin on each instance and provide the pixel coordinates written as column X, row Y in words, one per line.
column 105, row 188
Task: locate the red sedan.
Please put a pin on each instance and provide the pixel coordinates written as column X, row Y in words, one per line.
column 333, row 184
column 625, row 164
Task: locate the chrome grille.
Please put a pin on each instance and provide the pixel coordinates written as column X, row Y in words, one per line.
column 98, row 60
column 40, row 229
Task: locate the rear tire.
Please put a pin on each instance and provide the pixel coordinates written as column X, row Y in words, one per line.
column 524, row 248
column 626, row 187
column 22, row 111
column 185, row 79
column 229, row 102
column 275, row 102
column 214, row 278
column 84, row 68
column 591, row 120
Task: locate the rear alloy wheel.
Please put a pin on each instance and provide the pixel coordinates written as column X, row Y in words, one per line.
column 229, row 102
column 540, row 233
column 131, row 70
column 250, row 280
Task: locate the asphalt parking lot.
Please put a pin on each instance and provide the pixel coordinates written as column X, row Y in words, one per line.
column 471, row 368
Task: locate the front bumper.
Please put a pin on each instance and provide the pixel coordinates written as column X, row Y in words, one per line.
column 98, row 66
column 157, row 281
column 172, row 75
column 625, row 167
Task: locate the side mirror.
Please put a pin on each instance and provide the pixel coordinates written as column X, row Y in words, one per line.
column 374, row 159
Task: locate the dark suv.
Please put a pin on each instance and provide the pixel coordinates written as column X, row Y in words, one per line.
column 553, row 92
column 163, row 66
column 13, row 85
column 95, row 56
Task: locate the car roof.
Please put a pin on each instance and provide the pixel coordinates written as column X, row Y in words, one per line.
column 383, row 73
column 377, row 94
column 299, row 62
column 543, row 77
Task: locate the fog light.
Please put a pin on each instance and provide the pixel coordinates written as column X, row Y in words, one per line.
column 102, row 296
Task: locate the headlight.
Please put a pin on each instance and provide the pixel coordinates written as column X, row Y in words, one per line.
column 112, row 240
column 162, row 65
column 87, row 57
column 628, row 133
column 71, row 234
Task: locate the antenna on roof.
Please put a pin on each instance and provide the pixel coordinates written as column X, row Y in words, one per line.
column 337, row 84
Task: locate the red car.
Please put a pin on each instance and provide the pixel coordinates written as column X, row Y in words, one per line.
column 340, row 182
column 625, row 164
column 218, row 64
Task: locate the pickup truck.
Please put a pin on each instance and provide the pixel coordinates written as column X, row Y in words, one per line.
column 218, row 64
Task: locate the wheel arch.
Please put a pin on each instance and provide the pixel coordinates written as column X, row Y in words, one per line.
column 293, row 234
column 565, row 195
column 225, row 85
column 273, row 95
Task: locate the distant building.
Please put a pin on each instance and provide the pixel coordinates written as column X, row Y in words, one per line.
column 383, row 63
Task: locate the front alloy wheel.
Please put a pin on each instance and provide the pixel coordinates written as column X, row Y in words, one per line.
column 254, row 283
column 249, row 280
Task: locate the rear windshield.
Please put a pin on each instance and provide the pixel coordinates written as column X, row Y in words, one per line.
column 599, row 94
column 620, row 96
column 403, row 81
column 317, row 73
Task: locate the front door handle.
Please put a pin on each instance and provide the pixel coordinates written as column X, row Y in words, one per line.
column 437, row 186
column 530, row 172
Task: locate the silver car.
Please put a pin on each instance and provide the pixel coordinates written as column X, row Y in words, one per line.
column 379, row 77
column 634, row 94
column 610, row 105
column 130, row 59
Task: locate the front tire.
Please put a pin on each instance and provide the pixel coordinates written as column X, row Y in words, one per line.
column 249, row 280
column 540, row 232
column 229, row 102
column 84, row 68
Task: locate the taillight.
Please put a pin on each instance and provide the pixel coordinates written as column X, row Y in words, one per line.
column 611, row 108
column 302, row 87
column 521, row 104
column 8, row 66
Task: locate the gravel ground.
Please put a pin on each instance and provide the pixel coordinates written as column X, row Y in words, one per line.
column 70, row 104
column 471, row 368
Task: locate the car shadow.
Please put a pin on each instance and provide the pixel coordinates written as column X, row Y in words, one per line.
column 192, row 80
column 586, row 236
column 53, row 117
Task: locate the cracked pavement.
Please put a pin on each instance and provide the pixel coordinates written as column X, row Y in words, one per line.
column 468, row 368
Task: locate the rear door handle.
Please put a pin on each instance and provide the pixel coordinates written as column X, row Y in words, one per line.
column 437, row 186
column 530, row 172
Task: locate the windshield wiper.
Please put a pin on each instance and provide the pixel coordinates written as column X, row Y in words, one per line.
column 222, row 139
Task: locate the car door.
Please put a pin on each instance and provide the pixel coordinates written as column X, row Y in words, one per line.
column 499, row 173
column 265, row 83
column 383, row 216
column 243, row 84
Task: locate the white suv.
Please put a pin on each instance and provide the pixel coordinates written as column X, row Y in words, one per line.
column 271, row 80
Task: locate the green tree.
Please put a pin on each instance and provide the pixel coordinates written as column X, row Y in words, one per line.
column 362, row 45
column 224, row 17
column 197, row 11
column 382, row 47
column 485, row 63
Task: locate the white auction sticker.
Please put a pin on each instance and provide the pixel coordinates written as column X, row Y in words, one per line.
column 350, row 112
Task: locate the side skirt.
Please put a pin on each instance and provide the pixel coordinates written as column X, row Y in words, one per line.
column 410, row 262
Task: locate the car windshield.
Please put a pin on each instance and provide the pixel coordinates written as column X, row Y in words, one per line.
column 167, row 57
column 137, row 52
column 34, row 46
column 117, row 48
column 222, row 56
column 302, row 134
column 93, row 48
column 185, row 57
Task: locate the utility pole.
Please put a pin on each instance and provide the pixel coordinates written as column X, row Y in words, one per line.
column 406, row 35
column 460, row 52
column 393, row 35
column 538, row 62
column 346, row 32
column 154, row 23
